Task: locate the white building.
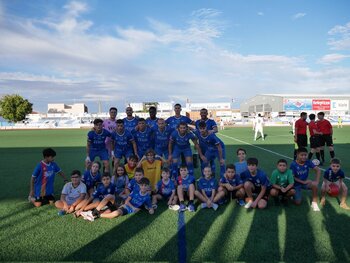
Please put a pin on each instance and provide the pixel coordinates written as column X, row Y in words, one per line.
column 76, row 108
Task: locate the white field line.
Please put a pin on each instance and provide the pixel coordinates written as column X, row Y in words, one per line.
column 266, row 150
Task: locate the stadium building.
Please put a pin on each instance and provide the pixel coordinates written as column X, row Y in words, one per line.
column 274, row 105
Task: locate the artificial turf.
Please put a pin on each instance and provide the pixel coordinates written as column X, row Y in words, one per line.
column 231, row 233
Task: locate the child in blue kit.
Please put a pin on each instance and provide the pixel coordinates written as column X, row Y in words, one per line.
column 165, row 189
column 256, row 182
column 334, row 175
column 300, row 168
column 241, row 165
column 43, row 179
column 231, row 185
column 133, row 204
column 207, row 190
column 185, row 188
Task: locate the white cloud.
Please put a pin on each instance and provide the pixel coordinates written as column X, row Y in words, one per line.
column 333, row 58
column 161, row 63
column 340, row 37
column 298, row 16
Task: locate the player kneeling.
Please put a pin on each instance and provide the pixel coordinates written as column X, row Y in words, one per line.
column 132, row 204
column 282, row 181
column 231, row 185
column 207, row 190
column 256, row 182
column 165, row 189
column 185, row 188
column 333, row 179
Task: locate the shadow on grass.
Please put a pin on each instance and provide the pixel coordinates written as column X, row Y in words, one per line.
column 262, row 243
column 106, row 244
column 338, row 225
column 196, row 230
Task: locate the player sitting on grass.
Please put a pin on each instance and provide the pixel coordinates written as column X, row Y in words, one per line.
column 72, row 194
column 96, row 146
column 106, row 189
column 43, row 179
column 121, row 180
column 300, row 168
column 185, row 188
column 133, row 184
column 334, row 175
column 241, row 165
column 256, row 182
column 282, row 181
column 165, row 189
column 231, row 185
column 130, row 166
column 133, row 204
column 207, row 190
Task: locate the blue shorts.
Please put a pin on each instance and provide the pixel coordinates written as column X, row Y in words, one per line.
column 211, row 155
column 127, row 210
column 187, row 152
column 162, row 152
column 298, row 188
column 123, row 153
column 103, row 154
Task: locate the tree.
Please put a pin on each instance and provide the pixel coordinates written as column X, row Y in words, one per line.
column 14, row 108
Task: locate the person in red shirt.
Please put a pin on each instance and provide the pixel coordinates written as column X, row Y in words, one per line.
column 314, row 138
column 326, row 130
column 300, row 136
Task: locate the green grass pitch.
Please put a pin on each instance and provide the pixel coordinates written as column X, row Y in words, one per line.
column 232, row 233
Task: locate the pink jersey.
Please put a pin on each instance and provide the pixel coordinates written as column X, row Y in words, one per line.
column 109, row 125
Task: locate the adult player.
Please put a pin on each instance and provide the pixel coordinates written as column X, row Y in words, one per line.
column 174, row 121
column 258, row 126
column 210, row 123
column 151, row 121
column 130, row 121
column 326, row 130
column 162, row 134
column 110, row 125
column 144, row 138
column 300, row 137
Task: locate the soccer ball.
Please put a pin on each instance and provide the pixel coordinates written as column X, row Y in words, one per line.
column 333, row 190
column 316, row 162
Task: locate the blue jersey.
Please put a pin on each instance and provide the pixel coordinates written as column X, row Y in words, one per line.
column 211, row 124
column 161, row 138
column 130, row 125
column 173, row 121
column 91, row 181
column 210, row 142
column 241, row 167
column 122, row 142
column 144, row 140
column 259, row 180
column 44, row 178
column 236, row 181
column 182, row 141
column 207, row 185
column 133, row 185
column 120, row 183
column 301, row 171
column 152, row 123
column 138, row 199
column 185, row 182
column 97, row 141
column 101, row 191
column 333, row 177
column 165, row 189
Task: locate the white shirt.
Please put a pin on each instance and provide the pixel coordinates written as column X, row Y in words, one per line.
column 73, row 193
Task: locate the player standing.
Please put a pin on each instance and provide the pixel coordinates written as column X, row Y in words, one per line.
column 258, row 127
column 300, row 137
column 130, row 121
column 326, row 130
column 110, row 125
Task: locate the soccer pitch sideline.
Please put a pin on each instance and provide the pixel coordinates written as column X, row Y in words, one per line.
column 231, row 233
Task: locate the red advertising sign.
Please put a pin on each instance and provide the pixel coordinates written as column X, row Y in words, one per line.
column 321, row 104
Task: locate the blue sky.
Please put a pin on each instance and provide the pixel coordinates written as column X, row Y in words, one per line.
column 204, row 51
